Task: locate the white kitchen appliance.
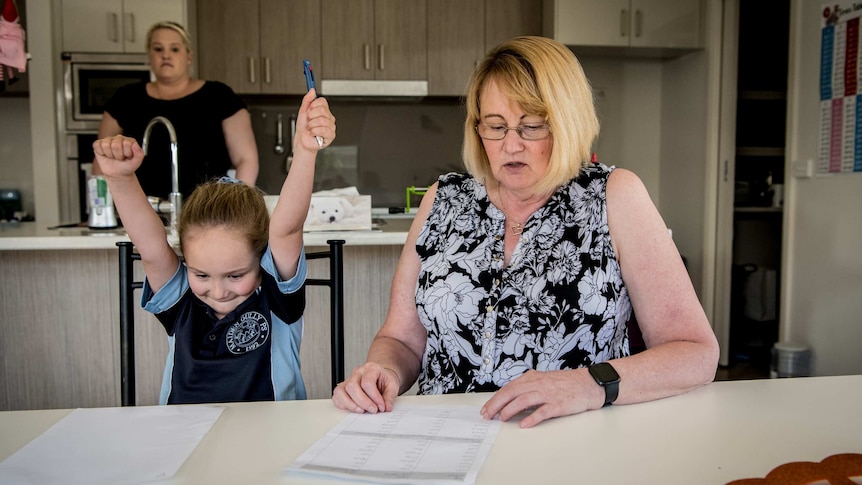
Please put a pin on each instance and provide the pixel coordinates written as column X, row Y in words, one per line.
column 102, row 214
column 89, row 81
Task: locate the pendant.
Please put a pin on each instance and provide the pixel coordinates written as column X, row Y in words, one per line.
column 517, row 228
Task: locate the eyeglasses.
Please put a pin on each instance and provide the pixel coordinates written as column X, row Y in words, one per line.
column 530, row 132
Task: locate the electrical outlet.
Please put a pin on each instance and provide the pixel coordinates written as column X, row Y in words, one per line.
column 803, row 169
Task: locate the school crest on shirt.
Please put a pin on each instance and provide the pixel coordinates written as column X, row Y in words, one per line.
column 249, row 332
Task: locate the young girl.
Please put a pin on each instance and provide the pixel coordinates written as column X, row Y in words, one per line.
column 233, row 310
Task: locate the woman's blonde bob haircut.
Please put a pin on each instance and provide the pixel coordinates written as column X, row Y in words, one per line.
column 545, row 79
column 179, row 29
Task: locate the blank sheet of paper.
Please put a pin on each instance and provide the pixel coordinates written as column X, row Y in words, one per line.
column 112, row 445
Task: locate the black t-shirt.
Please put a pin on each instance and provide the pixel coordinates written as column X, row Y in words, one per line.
column 197, row 118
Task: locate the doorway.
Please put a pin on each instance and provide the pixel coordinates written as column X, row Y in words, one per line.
column 751, row 227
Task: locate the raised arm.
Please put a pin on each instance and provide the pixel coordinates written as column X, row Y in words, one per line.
column 241, row 147
column 107, row 127
column 395, row 356
column 285, row 227
column 118, row 157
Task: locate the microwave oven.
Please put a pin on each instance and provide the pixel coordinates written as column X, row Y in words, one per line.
column 89, row 81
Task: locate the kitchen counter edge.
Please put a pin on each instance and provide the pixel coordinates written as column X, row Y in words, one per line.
column 29, row 236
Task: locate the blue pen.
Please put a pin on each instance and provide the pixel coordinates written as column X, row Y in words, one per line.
column 309, row 84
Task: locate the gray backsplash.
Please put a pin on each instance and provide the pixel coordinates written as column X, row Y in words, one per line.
column 382, row 147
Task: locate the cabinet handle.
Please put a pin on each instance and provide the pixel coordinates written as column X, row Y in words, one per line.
column 624, row 23
column 251, row 77
column 638, row 23
column 113, row 28
column 129, row 27
column 267, row 71
column 366, row 60
column 380, row 54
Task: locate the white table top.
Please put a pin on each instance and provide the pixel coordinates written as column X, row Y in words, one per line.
column 34, row 236
column 721, row 432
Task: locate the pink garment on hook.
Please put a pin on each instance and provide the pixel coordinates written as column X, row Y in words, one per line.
column 12, row 45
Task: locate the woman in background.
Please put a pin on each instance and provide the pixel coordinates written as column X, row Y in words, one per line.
column 210, row 120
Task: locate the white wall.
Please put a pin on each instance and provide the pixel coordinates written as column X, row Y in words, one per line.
column 821, row 303
column 43, row 111
column 628, row 98
column 684, row 161
column 653, row 115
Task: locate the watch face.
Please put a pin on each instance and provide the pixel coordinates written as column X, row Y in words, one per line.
column 604, row 373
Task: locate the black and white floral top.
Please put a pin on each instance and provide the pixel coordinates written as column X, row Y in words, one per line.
column 560, row 304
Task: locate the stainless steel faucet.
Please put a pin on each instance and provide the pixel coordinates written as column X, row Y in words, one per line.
column 176, row 198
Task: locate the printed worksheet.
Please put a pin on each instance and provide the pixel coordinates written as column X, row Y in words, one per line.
column 411, row 444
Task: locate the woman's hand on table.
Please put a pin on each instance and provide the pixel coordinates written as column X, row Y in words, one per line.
column 370, row 388
column 549, row 394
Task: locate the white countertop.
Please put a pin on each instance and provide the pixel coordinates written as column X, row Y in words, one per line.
column 721, row 432
column 35, row 236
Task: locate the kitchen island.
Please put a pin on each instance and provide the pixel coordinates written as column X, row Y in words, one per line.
column 59, row 297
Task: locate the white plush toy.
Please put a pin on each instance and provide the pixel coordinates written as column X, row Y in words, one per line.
column 328, row 210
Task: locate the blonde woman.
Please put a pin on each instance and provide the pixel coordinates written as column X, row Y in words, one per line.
column 518, row 278
column 210, row 120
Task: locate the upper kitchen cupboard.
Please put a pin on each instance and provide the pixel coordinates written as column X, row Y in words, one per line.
column 663, row 24
column 114, row 25
column 267, row 41
column 455, row 45
column 457, row 41
column 505, row 19
column 374, row 40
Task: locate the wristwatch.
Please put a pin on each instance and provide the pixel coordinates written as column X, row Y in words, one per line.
column 607, row 377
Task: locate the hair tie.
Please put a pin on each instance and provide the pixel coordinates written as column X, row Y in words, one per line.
column 228, row 180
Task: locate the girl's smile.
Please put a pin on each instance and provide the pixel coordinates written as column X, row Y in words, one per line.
column 223, row 270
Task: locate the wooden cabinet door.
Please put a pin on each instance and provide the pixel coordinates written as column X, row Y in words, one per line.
column 92, row 25
column 456, row 43
column 229, row 44
column 289, row 33
column 590, row 22
column 114, row 25
column 373, row 39
column 400, row 28
column 347, row 39
column 139, row 16
column 666, row 23
column 505, row 19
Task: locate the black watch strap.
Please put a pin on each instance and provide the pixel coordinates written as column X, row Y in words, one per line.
column 606, row 376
